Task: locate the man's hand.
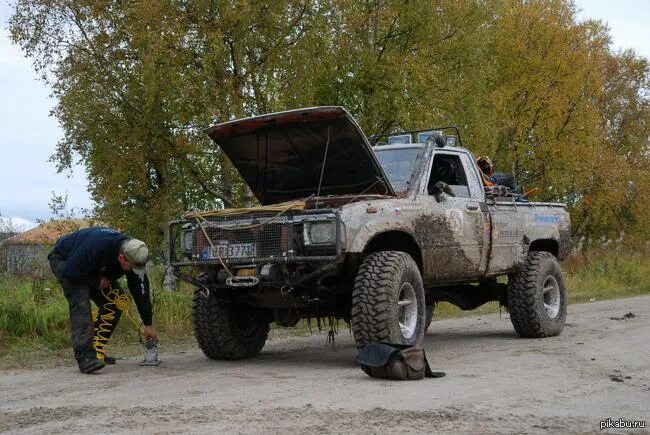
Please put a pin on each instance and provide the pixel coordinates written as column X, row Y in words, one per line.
column 150, row 333
column 104, row 283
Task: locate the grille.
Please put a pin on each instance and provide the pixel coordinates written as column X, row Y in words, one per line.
column 243, row 239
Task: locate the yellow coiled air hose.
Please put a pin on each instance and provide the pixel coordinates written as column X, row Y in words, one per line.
column 114, row 301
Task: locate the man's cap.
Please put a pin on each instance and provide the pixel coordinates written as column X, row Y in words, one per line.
column 137, row 253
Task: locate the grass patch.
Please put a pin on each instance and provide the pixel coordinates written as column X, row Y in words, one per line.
column 600, row 275
column 35, row 327
column 606, row 275
column 32, row 314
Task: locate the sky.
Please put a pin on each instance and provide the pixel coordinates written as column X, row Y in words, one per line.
column 28, row 135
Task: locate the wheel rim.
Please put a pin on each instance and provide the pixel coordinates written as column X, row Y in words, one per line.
column 551, row 296
column 407, row 307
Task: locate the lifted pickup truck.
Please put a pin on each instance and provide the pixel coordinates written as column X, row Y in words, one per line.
column 372, row 235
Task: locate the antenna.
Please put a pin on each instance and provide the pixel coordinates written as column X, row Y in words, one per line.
column 322, row 168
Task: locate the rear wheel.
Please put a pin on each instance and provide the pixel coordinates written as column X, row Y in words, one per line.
column 388, row 300
column 537, row 298
column 227, row 330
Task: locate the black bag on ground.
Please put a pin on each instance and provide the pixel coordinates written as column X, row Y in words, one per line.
column 395, row 361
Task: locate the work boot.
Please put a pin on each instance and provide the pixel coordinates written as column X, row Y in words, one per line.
column 89, row 365
column 108, row 360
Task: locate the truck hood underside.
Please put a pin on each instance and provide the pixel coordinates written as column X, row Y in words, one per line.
column 281, row 155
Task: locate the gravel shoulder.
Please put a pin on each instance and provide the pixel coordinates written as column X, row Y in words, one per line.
column 598, row 368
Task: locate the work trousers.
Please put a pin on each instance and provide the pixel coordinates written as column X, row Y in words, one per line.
column 79, row 295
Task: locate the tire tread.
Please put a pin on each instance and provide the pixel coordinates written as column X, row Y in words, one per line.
column 523, row 290
column 216, row 332
column 373, row 295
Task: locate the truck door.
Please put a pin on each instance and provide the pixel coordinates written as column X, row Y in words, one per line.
column 508, row 223
column 481, row 215
column 453, row 233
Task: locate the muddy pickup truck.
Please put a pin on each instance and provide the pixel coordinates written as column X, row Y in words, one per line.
column 374, row 235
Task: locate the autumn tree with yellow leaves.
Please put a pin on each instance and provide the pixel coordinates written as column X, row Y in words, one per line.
column 137, row 82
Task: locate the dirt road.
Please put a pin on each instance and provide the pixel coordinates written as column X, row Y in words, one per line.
column 598, row 368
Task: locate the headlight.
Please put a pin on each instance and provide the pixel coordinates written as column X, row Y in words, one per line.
column 320, row 233
column 187, row 241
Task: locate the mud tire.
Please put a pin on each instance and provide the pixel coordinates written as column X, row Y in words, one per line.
column 226, row 330
column 382, row 277
column 526, row 298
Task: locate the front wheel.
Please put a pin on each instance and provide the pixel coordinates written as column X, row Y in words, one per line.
column 228, row 330
column 388, row 301
column 537, row 297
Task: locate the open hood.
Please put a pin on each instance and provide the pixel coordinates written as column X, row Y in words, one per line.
column 282, row 156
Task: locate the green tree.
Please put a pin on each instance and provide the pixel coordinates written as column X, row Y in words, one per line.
column 136, row 83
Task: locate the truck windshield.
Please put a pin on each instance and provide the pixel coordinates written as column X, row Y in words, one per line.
column 398, row 164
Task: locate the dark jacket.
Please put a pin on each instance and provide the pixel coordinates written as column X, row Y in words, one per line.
column 91, row 254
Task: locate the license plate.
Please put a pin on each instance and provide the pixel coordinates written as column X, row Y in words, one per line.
column 233, row 250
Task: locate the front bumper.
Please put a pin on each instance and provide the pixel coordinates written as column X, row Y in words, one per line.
column 254, row 239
